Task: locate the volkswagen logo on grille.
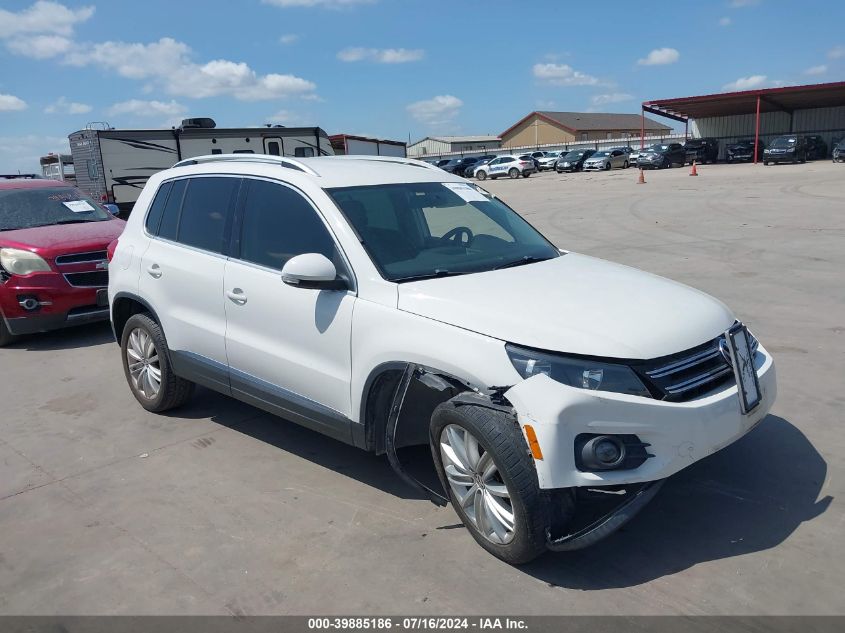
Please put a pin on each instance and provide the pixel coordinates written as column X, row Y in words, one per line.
column 723, row 349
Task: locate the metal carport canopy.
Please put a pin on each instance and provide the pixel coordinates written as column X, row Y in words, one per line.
column 785, row 99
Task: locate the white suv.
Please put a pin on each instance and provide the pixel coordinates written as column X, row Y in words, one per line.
column 388, row 304
column 508, row 165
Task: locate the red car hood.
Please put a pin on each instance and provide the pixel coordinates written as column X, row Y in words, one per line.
column 49, row 241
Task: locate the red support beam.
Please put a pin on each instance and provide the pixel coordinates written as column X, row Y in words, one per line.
column 642, row 128
column 757, row 131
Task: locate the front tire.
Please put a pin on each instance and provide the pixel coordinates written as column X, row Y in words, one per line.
column 481, row 175
column 6, row 337
column 146, row 365
column 489, row 476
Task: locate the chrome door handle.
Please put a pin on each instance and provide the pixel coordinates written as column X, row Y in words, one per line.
column 154, row 271
column 237, row 296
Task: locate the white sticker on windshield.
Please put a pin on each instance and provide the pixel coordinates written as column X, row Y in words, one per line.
column 466, row 192
column 78, row 206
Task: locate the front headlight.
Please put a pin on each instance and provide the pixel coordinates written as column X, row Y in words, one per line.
column 18, row 262
column 577, row 372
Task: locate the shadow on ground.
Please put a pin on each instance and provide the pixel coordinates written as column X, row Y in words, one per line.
column 373, row 470
column 76, row 337
column 748, row 497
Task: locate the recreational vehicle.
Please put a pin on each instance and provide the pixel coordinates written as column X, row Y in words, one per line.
column 113, row 165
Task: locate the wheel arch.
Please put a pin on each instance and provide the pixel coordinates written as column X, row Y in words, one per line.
column 428, row 388
column 124, row 305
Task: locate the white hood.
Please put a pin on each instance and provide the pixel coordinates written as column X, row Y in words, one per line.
column 575, row 304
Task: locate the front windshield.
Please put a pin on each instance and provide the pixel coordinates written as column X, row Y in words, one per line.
column 600, row 155
column 28, row 208
column 658, row 148
column 431, row 229
column 784, row 142
column 574, row 155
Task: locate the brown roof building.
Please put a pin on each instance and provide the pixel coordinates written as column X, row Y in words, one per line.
column 547, row 128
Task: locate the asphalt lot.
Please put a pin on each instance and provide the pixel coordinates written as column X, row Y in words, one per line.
column 221, row 509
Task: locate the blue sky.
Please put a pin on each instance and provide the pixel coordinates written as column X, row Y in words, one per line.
column 388, row 68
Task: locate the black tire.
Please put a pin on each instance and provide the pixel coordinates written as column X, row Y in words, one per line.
column 514, row 172
column 498, row 434
column 765, row 163
column 481, row 174
column 173, row 391
column 6, row 337
column 625, row 165
column 607, row 166
column 525, row 174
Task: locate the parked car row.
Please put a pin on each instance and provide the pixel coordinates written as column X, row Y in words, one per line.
column 792, row 147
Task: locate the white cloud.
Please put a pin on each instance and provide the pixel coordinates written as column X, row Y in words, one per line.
column 41, row 31
column 289, row 38
column 614, row 97
column 42, row 17
column 328, row 4
column 438, row 111
column 11, row 103
column 660, row 57
column 22, row 152
column 39, row 46
column 746, row 83
column 837, row 52
column 562, row 75
column 63, row 106
column 726, row 21
column 167, row 64
column 141, row 108
column 821, row 69
column 381, row 55
column 740, row 4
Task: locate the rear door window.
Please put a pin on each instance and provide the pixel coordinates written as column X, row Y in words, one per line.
column 206, row 210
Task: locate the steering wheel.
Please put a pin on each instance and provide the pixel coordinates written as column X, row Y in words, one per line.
column 461, row 231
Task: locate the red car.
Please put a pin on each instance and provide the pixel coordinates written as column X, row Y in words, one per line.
column 53, row 262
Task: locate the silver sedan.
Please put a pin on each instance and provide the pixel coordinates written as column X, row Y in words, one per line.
column 607, row 160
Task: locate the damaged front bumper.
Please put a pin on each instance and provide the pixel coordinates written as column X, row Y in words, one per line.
column 678, row 433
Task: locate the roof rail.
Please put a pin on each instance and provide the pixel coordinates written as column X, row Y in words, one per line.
column 390, row 159
column 281, row 161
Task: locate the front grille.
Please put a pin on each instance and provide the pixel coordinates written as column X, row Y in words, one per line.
column 96, row 279
column 81, row 258
column 689, row 374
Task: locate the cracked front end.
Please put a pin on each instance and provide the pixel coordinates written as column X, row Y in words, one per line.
column 693, row 411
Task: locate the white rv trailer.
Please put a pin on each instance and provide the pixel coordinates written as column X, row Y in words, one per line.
column 114, row 165
column 363, row 145
column 58, row 167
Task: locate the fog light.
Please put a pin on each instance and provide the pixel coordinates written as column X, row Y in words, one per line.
column 603, row 453
column 28, row 303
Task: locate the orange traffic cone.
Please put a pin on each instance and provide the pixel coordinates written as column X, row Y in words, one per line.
column 693, row 171
column 641, row 179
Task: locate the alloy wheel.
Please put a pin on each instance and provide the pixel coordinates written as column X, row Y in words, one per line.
column 143, row 362
column 477, row 484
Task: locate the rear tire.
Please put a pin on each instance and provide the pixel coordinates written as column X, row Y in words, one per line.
column 146, row 365
column 526, row 174
column 625, row 165
column 509, row 498
column 514, row 172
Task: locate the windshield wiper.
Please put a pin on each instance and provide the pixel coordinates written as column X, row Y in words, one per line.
column 440, row 272
column 528, row 259
column 74, row 221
